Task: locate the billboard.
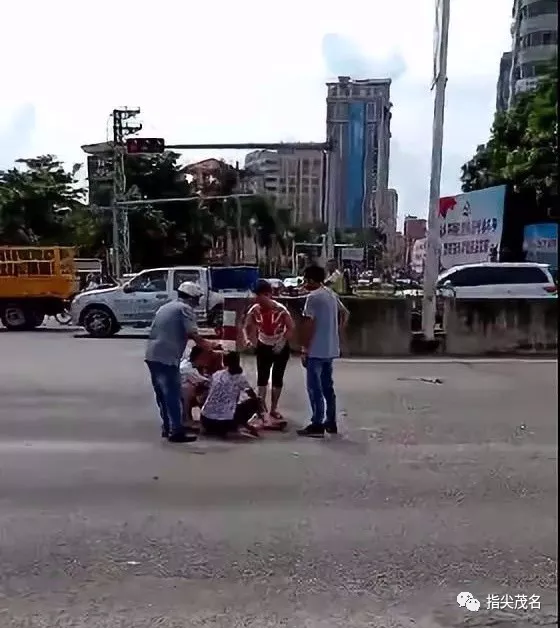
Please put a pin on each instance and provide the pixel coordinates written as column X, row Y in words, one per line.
column 540, row 243
column 355, row 165
column 352, row 253
column 418, row 256
column 470, row 225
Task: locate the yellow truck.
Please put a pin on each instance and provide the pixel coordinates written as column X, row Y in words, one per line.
column 35, row 282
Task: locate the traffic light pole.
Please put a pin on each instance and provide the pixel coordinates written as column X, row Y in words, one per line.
column 121, row 231
column 121, row 205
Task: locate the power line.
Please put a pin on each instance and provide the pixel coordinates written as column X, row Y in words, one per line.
column 196, row 197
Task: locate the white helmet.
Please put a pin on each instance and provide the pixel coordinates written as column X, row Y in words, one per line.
column 190, row 289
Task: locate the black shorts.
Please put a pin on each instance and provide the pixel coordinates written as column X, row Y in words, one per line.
column 267, row 361
column 244, row 412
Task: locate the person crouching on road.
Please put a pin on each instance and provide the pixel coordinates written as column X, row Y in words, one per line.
column 268, row 327
column 195, row 381
column 222, row 413
column 173, row 325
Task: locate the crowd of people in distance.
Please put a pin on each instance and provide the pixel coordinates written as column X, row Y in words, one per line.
column 213, row 383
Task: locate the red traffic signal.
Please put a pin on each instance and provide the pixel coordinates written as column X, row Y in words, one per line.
column 144, row 145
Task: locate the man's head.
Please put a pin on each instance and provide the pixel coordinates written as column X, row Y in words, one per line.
column 313, row 277
column 196, row 356
column 189, row 292
column 263, row 292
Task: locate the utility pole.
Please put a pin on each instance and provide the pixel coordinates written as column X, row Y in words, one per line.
column 431, row 264
column 123, row 126
column 330, row 240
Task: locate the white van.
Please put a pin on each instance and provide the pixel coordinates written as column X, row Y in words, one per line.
column 103, row 312
column 498, row 280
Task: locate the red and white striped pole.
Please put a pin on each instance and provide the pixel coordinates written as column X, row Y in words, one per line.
column 229, row 330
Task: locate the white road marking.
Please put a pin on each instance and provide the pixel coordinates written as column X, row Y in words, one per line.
column 444, row 360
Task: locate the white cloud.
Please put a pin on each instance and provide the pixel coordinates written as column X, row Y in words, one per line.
column 244, row 71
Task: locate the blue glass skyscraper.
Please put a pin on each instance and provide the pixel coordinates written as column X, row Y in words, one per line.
column 358, row 125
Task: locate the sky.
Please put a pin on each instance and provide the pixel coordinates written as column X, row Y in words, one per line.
column 245, row 71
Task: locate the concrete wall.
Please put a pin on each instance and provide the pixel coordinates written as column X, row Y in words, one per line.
column 382, row 327
column 378, row 327
column 485, row 326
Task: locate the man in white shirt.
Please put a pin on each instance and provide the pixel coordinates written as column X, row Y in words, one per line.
column 194, row 384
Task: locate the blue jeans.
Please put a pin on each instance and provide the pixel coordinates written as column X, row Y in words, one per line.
column 320, row 389
column 166, row 380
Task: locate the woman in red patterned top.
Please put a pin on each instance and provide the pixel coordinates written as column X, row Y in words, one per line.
column 268, row 327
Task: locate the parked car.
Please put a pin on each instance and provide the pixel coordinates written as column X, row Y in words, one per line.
column 498, row 280
column 103, row 312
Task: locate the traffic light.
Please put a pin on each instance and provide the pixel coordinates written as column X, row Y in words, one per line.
column 144, row 145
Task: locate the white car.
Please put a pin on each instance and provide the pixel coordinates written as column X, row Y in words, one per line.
column 293, row 282
column 498, row 280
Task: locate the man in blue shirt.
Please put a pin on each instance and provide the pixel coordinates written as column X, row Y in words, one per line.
column 323, row 317
column 174, row 324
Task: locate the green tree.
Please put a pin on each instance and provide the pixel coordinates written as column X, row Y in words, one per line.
column 164, row 233
column 36, row 200
column 522, row 149
column 41, row 203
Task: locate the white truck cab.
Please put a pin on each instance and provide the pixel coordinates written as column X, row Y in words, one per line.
column 103, row 312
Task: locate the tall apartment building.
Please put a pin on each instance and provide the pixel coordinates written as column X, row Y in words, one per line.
column 414, row 229
column 502, row 89
column 534, row 33
column 291, row 177
column 387, row 218
column 358, row 125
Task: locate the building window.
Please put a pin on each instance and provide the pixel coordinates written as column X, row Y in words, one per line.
column 341, row 111
column 540, row 38
column 541, row 7
column 371, row 110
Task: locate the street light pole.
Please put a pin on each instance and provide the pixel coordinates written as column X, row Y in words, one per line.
column 431, row 264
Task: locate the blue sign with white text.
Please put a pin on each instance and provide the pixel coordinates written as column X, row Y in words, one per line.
column 540, row 243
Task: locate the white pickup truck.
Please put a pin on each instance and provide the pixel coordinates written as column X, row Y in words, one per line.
column 103, row 312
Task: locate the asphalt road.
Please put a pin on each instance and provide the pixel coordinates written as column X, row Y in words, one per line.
column 439, row 485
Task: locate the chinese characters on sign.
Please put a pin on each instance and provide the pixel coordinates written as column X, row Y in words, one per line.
column 470, row 225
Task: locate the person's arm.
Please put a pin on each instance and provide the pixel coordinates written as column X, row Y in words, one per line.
column 191, row 331
column 250, row 328
column 289, row 326
column 251, row 393
column 307, row 327
column 196, row 378
column 343, row 315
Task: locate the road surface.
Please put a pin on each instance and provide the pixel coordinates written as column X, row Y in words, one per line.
column 444, row 481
